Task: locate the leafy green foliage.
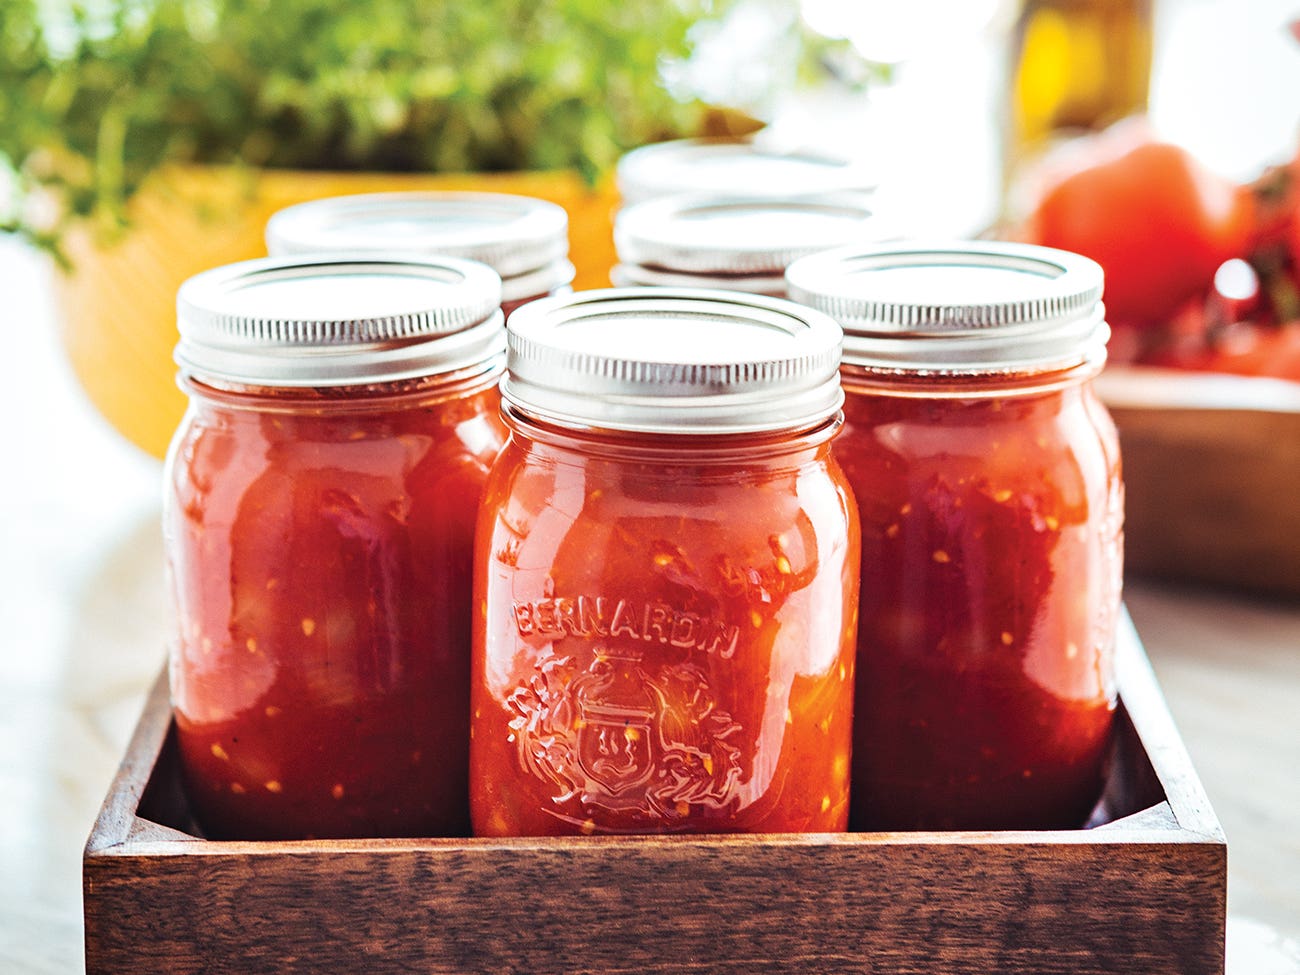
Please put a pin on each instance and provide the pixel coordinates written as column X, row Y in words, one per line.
column 95, row 96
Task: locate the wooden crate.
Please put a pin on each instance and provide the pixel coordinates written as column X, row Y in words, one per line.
column 1142, row 892
column 1211, row 468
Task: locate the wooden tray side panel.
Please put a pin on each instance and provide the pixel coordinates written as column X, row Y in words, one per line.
column 1210, row 496
column 662, row 907
column 1143, row 894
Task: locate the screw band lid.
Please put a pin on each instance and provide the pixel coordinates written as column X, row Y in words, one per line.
column 333, row 320
column 747, row 166
column 958, row 306
column 706, row 234
column 514, row 235
column 688, row 361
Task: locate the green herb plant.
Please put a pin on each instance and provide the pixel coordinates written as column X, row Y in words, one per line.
column 95, row 97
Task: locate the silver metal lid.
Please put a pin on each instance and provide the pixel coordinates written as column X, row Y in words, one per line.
column 742, row 167
column 687, row 361
column 958, row 306
column 639, row 276
column 514, row 235
column 326, row 320
column 711, row 235
column 553, row 277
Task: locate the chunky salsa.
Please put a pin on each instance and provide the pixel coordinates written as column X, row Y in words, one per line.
column 320, row 550
column 664, row 639
column 991, row 564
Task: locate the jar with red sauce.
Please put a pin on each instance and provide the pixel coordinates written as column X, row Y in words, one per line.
column 525, row 240
column 987, row 474
column 318, row 522
column 740, row 243
column 666, row 576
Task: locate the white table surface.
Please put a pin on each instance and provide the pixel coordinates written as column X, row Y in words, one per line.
column 81, row 611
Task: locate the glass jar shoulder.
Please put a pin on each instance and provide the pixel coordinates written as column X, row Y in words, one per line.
column 1063, row 436
column 227, row 443
column 589, row 546
column 539, row 491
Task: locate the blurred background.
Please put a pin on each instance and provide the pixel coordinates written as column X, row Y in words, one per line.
column 142, row 140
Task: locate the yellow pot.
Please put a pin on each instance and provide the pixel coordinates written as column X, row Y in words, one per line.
column 118, row 303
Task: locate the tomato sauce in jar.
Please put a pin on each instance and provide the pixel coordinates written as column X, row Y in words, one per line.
column 319, row 513
column 987, row 474
column 525, row 240
column 666, row 573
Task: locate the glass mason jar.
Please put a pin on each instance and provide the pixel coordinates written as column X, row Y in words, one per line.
column 318, row 522
column 525, row 240
column 666, row 570
column 987, row 474
column 737, row 243
column 754, row 165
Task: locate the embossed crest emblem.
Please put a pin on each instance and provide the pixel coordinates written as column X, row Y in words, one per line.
column 614, row 749
column 625, row 734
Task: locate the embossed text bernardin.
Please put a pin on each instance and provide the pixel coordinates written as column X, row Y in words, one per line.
column 589, row 616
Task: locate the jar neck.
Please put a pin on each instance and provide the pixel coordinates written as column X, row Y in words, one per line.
column 675, row 449
column 952, row 385
column 413, row 393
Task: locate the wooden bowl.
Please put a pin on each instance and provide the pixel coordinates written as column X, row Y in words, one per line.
column 118, row 304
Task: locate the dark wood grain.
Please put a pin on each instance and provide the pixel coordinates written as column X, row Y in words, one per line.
column 1144, row 893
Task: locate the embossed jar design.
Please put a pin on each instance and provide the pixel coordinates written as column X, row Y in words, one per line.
column 666, row 572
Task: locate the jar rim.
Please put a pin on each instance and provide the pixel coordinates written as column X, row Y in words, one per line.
column 709, row 447
column 384, row 396
column 968, row 383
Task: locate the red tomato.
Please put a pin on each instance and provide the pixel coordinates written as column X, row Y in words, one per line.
column 1156, row 220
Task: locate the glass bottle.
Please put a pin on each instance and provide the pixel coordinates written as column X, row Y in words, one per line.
column 1077, row 66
